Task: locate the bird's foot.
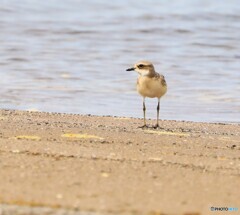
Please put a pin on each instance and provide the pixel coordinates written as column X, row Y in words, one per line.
column 157, row 126
column 143, row 126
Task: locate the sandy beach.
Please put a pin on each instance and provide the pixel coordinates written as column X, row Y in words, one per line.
column 80, row 164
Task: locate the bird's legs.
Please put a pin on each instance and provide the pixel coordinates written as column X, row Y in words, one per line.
column 144, row 115
column 158, row 108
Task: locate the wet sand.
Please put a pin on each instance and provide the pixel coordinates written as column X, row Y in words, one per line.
column 74, row 164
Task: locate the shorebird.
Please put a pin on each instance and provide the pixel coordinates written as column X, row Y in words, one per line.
column 149, row 84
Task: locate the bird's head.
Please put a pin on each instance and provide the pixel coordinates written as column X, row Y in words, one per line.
column 143, row 68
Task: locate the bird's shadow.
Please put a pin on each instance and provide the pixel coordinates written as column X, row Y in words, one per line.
column 151, row 127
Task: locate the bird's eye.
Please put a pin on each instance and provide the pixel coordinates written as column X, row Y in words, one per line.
column 140, row 66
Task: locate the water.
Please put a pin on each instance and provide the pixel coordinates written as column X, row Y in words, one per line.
column 70, row 56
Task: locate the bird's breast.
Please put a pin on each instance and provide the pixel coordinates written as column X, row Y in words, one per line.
column 151, row 87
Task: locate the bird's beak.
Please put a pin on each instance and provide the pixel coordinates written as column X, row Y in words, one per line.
column 130, row 69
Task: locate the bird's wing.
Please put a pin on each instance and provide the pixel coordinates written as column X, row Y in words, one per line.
column 161, row 78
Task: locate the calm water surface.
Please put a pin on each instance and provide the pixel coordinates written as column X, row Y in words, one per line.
column 70, row 56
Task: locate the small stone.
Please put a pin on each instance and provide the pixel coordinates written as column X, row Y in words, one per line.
column 104, row 174
column 94, row 156
column 59, row 196
column 112, row 155
column 15, row 151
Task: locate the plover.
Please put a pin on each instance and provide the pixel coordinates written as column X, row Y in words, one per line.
column 149, row 84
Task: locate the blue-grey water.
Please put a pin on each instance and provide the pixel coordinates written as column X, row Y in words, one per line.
column 71, row 56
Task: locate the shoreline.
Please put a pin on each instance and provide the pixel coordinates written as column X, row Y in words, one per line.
column 116, row 116
column 107, row 165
